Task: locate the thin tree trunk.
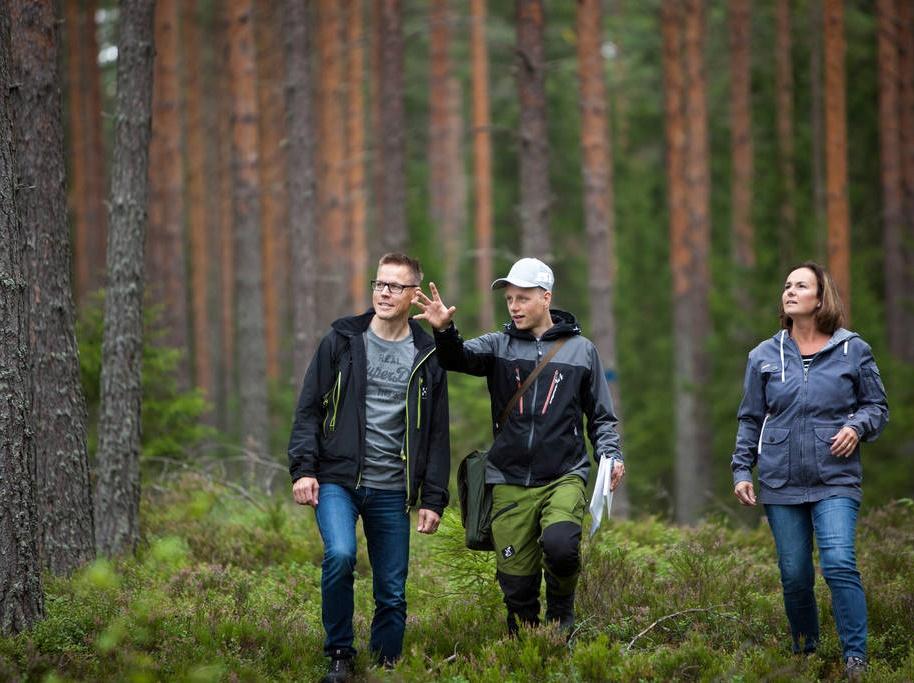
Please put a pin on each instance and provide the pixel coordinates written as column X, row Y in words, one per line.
column 272, row 169
column 356, row 190
column 21, row 600
column 117, row 497
column 482, row 158
column 455, row 217
column 198, row 227
column 63, row 494
column 535, row 192
column 227, row 374
column 818, row 122
column 301, row 185
column 784, row 107
column 838, row 209
column 599, row 199
column 374, row 118
column 905, row 29
column 741, row 147
column 252, row 377
column 394, row 233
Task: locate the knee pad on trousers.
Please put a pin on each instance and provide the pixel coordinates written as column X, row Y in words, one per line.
column 561, row 543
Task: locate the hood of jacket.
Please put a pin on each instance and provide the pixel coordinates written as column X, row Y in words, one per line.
column 353, row 325
column 564, row 324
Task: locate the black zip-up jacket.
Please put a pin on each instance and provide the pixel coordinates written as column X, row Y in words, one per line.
column 543, row 439
column 328, row 433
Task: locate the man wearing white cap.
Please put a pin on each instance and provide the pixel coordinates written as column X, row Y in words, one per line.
column 538, row 464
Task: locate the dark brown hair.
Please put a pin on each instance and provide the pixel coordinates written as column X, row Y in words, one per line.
column 395, row 258
column 829, row 316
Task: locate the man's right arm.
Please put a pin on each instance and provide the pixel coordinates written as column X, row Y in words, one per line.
column 303, row 441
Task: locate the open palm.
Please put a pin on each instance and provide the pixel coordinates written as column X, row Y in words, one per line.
column 433, row 309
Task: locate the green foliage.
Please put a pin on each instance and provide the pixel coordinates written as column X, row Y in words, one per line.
column 171, row 416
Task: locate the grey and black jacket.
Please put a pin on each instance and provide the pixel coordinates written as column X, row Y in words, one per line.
column 543, row 439
column 788, row 416
column 328, row 433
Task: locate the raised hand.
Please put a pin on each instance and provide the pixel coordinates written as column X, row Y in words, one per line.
column 433, row 309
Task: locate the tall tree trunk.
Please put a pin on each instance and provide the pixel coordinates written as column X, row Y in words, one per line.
column 784, row 104
column 482, row 158
column 117, row 496
column 21, row 601
column 690, row 232
column 905, row 29
column 375, row 75
column 301, row 185
column 741, row 147
column 535, row 192
column 455, row 217
column 394, row 234
column 333, row 261
column 818, row 122
column 272, row 169
column 88, row 182
column 165, row 253
column 599, row 199
column 838, row 209
column 198, row 227
column 252, row 378
column 63, row 494
column 356, row 190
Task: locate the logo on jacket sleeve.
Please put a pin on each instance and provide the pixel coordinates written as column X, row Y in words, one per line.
column 508, row 552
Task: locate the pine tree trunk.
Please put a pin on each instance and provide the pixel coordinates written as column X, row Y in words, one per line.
column 62, row 488
column 117, row 496
column 838, row 210
column 816, row 97
column 535, row 192
column 455, row 217
column 482, row 159
column 394, row 234
column 741, row 147
column 272, row 169
column 599, row 200
column 252, row 378
column 301, row 185
column 198, row 227
column 21, row 600
column 905, row 29
column 356, row 190
column 165, row 256
column 784, row 103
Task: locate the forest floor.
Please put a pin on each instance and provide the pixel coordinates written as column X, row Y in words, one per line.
column 223, row 589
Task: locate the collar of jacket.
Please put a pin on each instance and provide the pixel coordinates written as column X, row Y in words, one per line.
column 840, row 336
column 563, row 325
column 352, row 325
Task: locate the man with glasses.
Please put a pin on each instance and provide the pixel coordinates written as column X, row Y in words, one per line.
column 370, row 440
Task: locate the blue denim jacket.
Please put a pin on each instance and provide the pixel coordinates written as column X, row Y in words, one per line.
column 787, row 417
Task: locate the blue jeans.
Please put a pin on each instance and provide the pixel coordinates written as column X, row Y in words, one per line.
column 833, row 521
column 385, row 521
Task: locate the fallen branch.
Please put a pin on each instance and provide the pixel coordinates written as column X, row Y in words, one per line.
column 671, row 616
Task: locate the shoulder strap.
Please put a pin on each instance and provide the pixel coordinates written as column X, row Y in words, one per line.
column 529, row 381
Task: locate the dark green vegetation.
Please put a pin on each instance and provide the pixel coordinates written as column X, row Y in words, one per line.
column 222, row 589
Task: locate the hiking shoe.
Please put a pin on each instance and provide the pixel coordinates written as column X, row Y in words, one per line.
column 854, row 668
column 340, row 670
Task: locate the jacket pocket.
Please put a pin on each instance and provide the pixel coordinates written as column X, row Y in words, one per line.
column 832, row 469
column 774, row 457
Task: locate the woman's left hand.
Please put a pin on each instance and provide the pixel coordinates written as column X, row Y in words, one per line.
column 844, row 442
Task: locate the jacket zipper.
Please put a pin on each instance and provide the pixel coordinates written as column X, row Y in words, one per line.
column 405, row 453
column 536, row 384
column 520, row 402
column 334, row 395
column 550, row 395
column 419, row 406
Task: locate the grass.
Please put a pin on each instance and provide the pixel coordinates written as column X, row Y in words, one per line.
column 221, row 590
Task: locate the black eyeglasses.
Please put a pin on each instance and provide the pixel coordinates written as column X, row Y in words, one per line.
column 393, row 287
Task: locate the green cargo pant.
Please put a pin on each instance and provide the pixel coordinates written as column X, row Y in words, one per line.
column 538, row 529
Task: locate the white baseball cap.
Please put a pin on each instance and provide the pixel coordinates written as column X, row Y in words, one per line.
column 528, row 272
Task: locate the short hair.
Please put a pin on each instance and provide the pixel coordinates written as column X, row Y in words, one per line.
column 830, row 314
column 396, row 258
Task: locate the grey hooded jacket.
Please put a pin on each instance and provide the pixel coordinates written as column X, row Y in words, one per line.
column 787, row 417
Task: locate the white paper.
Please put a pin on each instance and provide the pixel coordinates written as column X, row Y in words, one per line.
column 602, row 494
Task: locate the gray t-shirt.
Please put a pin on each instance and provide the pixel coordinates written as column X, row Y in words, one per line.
column 389, row 365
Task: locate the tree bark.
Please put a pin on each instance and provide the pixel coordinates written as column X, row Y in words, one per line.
column 252, row 379
column 785, row 134
column 63, row 494
column 482, row 159
column 838, row 209
column 394, row 233
column 166, row 263
column 117, row 499
column 21, row 601
column 301, row 186
column 599, row 199
column 356, row 191
column 741, row 146
column 817, row 117
column 535, row 192
column 905, row 28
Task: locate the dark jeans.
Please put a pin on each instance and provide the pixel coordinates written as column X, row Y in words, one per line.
column 833, row 522
column 386, row 524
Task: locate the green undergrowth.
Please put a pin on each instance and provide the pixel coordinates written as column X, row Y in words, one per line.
column 224, row 590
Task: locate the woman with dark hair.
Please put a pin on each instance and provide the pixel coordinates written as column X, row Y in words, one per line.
column 811, row 393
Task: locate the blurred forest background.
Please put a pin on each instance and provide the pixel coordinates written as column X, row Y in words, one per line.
column 671, row 160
